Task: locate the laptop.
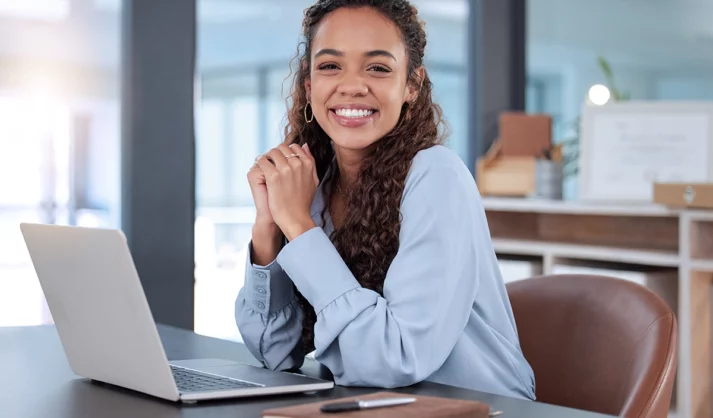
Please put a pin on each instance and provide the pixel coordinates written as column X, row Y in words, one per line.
column 107, row 330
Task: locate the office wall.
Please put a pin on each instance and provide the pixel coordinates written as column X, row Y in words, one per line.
column 658, row 51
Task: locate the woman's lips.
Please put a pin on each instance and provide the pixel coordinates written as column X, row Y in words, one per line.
column 353, row 118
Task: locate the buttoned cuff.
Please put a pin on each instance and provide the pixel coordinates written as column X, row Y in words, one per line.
column 316, row 268
column 268, row 288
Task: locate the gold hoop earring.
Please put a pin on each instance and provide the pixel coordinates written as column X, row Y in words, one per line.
column 305, row 110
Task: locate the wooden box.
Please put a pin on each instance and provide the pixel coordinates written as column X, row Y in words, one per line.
column 691, row 195
column 520, row 177
column 506, row 176
column 525, row 135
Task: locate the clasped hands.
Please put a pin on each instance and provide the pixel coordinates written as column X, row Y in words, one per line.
column 283, row 182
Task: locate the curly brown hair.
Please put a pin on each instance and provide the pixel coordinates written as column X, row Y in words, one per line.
column 369, row 236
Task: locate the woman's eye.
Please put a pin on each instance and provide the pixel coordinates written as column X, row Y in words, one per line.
column 328, row 67
column 380, row 68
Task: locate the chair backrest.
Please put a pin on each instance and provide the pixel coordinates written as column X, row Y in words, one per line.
column 597, row 343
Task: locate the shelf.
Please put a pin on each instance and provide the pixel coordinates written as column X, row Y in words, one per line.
column 587, row 252
column 671, row 247
column 700, row 215
column 705, row 266
column 505, row 204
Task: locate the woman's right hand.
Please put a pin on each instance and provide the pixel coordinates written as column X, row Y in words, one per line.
column 258, row 187
column 266, row 235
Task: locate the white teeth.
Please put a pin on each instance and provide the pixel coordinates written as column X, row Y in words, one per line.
column 353, row 113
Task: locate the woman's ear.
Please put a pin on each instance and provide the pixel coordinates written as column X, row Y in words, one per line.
column 308, row 88
column 414, row 87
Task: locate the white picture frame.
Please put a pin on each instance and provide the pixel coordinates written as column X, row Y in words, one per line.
column 627, row 146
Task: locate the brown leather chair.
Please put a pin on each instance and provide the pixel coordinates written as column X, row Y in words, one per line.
column 597, row 343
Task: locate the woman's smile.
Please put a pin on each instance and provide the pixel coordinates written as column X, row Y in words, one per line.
column 353, row 115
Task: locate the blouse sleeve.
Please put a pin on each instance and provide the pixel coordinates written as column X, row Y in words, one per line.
column 269, row 317
column 406, row 335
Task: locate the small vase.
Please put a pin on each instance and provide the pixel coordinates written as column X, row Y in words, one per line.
column 548, row 179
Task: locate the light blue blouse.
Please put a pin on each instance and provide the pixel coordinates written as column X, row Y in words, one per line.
column 445, row 315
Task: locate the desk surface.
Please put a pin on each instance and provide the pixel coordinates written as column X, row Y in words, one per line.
column 36, row 381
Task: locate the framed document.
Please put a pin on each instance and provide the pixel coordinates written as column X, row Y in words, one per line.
column 626, row 147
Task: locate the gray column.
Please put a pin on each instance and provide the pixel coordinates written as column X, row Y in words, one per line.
column 158, row 151
column 496, row 67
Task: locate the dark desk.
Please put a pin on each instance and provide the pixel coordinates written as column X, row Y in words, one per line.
column 36, row 381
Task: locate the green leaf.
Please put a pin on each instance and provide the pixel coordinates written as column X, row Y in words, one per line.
column 606, row 68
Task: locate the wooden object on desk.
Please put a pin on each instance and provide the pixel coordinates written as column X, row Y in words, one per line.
column 424, row 406
column 522, row 161
column 525, row 135
column 691, row 195
column 513, row 176
column 652, row 237
column 499, row 174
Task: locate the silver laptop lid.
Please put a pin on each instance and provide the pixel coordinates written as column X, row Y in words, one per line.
column 99, row 307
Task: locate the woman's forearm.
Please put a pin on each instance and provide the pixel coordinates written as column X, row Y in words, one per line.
column 266, row 243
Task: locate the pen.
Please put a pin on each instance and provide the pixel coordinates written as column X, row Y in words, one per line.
column 358, row 405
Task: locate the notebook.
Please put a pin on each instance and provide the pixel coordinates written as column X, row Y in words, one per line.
column 425, row 406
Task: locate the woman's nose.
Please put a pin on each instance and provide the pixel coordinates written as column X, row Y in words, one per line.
column 352, row 85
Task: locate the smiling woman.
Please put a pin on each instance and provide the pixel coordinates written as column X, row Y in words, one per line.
column 370, row 244
column 361, row 82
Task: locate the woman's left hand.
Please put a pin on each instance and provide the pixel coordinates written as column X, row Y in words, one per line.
column 291, row 179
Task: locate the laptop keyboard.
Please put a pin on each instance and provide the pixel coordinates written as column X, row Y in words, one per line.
column 189, row 380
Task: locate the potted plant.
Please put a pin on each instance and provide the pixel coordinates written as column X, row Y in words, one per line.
column 570, row 144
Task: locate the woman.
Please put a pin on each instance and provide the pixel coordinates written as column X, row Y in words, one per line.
column 370, row 245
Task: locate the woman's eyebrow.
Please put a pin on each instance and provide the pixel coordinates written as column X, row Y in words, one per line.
column 329, row 51
column 380, row 53
column 336, row 53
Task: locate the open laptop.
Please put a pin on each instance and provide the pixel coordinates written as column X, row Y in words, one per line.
column 107, row 330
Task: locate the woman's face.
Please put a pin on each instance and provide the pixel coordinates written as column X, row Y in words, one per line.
column 358, row 77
